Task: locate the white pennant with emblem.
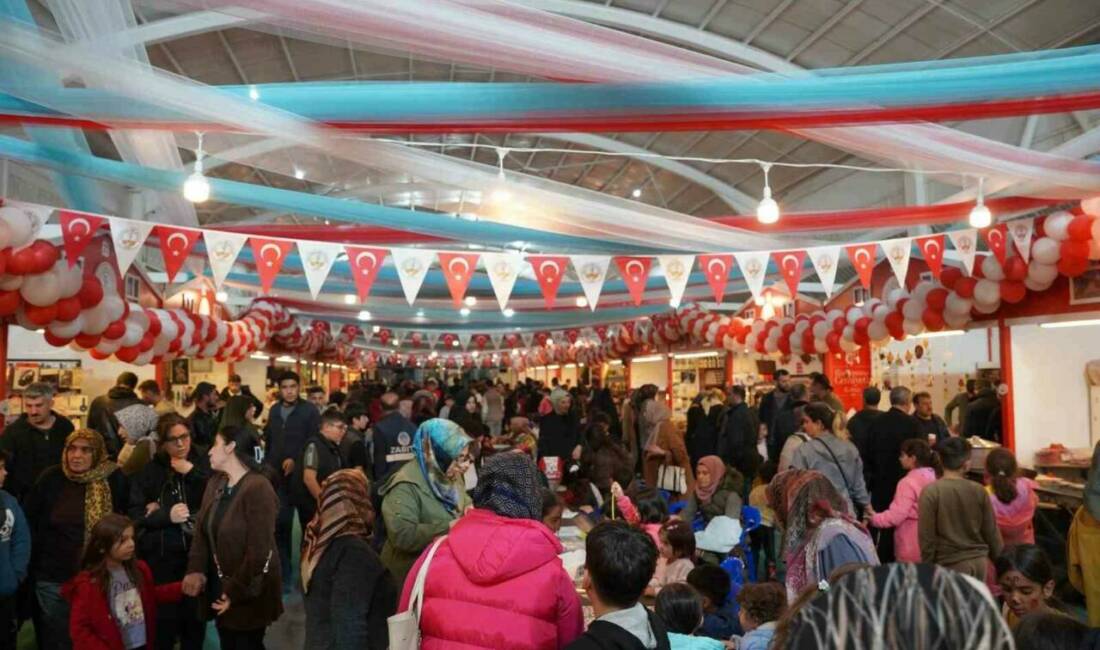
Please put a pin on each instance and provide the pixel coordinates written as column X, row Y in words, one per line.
column 396, row 337
column 825, row 260
column 37, row 215
column 754, row 268
column 497, row 339
column 317, row 258
column 897, row 253
column 128, row 237
column 464, row 339
column 503, row 269
column 1021, row 231
column 412, row 267
column 591, row 272
column 677, row 269
column 527, row 338
column 966, row 243
column 222, row 248
column 433, row 338
column 558, row 337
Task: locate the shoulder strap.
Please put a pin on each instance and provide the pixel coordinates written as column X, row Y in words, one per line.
column 840, row 467
column 659, row 631
column 416, row 598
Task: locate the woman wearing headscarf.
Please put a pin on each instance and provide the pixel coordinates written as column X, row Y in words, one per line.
column 559, row 431
column 716, row 493
column 62, row 507
column 901, row 607
column 699, row 437
column 421, row 500
column 819, row 534
column 496, row 580
column 665, row 446
column 348, row 593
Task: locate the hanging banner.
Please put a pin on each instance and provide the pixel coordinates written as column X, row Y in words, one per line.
column 635, row 272
column 128, row 237
column 222, row 249
column 931, row 248
column 397, row 337
column 412, row 267
column 464, row 339
column 270, row 255
column 997, row 240
column 862, row 257
column 77, row 230
column 175, row 246
column 527, row 337
column 549, row 271
column 966, row 243
column 898, row 252
column 458, row 269
column 364, row 263
column 503, row 269
column 825, row 260
column 754, row 266
column 497, row 338
column 677, row 270
column 1022, row 231
column 433, row 338
column 717, row 270
column 790, row 267
column 591, row 272
column 317, row 259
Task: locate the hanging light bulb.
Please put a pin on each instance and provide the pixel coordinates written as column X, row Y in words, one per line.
column 768, row 210
column 980, row 216
column 196, row 188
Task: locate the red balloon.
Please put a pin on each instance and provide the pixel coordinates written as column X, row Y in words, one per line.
column 1015, row 269
column 55, row 340
column 933, row 320
column 832, row 339
column 861, row 337
column 839, row 325
column 147, row 342
column 96, row 354
column 937, row 298
column 1013, row 291
column 809, row 345
column 154, row 322
column 5, row 255
column 22, row 262
column 978, row 272
column 784, row 344
column 175, row 346
column 965, row 287
column 40, row 316
column 68, row 309
column 45, row 255
column 1075, row 249
column 1080, row 228
column 894, row 320
column 91, row 292
column 1071, row 267
column 10, row 302
column 1041, row 227
column 127, row 354
column 862, row 324
column 949, row 276
column 87, row 340
column 787, row 329
column 115, row 330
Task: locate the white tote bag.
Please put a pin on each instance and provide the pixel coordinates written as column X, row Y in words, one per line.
column 404, row 627
column 672, row 478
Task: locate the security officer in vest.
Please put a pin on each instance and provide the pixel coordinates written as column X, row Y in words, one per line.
column 393, row 436
column 320, row 458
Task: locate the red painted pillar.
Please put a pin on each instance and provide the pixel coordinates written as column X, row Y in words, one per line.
column 729, row 368
column 1008, row 411
column 668, row 378
column 160, row 373
column 230, row 368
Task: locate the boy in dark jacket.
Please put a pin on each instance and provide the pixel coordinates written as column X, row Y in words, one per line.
column 15, row 556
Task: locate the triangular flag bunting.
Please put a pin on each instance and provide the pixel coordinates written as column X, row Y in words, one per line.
column 825, row 260
column 433, row 338
column 527, row 337
column 1022, row 230
column 591, row 272
column 175, row 247
column 549, row 271
column 364, row 263
column 897, row 252
column 317, row 258
column 77, row 230
column 128, row 237
column 270, row 255
column 635, row 272
column 997, row 239
column 754, row 267
column 677, row 270
column 503, row 269
column 464, row 339
column 717, row 270
column 966, row 243
column 862, row 257
column 932, row 247
column 396, row 337
column 790, row 267
column 412, row 267
column 496, row 338
column 222, row 248
column 458, row 268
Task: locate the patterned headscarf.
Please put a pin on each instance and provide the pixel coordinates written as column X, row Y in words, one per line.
column 97, row 491
column 446, row 441
column 508, row 485
column 802, row 499
column 717, row 468
column 344, row 508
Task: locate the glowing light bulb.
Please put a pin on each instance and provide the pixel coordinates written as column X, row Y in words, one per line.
column 196, row 188
column 350, row 298
column 768, row 210
column 980, row 216
column 470, row 301
column 221, row 296
column 465, row 311
column 509, row 312
column 377, row 328
column 637, row 193
column 299, row 173
column 364, row 315
column 582, row 301
column 253, row 93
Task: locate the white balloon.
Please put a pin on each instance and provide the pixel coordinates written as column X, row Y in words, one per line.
column 869, row 307
column 138, row 317
column 989, row 308
column 41, row 289
column 71, row 278
column 854, row 314
column 956, row 304
column 107, row 346
column 210, row 349
column 96, row 319
column 20, row 226
column 877, row 331
column 133, row 335
column 955, row 320
column 986, row 292
column 756, row 327
column 68, row 330
column 5, row 234
column 168, row 330
column 1042, row 273
column 114, row 306
column 849, row 333
column 894, row 296
column 1057, row 225
column 913, row 327
column 821, row 330
column 771, row 346
column 23, row 321
column 913, row 310
column 1036, row 284
column 848, row 346
column 920, row 292
column 822, row 346
column 796, row 345
column 11, row 282
column 1046, row 251
column 144, row 358
column 832, row 315
column 992, row 270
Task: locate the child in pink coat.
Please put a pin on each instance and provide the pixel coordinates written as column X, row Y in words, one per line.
column 918, row 459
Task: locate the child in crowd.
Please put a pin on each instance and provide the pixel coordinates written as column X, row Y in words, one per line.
column 1013, row 497
column 680, row 608
column 956, row 528
column 652, row 514
column 1026, row 579
column 920, row 462
column 552, row 509
column 764, row 540
column 761, row 606
column 619, row 559
column 15, row 555
column 1054, row 631
column 719, row 610
column 678, row 549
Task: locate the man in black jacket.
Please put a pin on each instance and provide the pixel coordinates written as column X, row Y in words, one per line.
column 786, row 421
column 886, row 435
column 772, row 405
column 34, row 441
column 101, row 412
column 859, row 427
column 983, row 415
column 737, row 445
column 204, row 419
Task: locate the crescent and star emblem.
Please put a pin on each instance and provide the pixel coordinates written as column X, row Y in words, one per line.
column 263, row 254
column 459, row 261
column 996, row 238
column 793, row 268
column 634, row 269
column 932, row 248
column 171, row 238
column 552, row 273
column 718, row 273
column 76, row 222
column 863, row 258
column 365, row 269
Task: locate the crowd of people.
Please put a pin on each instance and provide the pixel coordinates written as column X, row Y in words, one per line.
column 141, row 528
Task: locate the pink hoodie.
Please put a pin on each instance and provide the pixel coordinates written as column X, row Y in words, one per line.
column 1015, row 519
column 902, row 514
column 497, row 583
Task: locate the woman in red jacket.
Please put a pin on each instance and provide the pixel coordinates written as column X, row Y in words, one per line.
column 113, row 598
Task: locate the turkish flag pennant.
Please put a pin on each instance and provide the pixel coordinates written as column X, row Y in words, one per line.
column 997, row 239
column 364, row 263
column 862, row 257
column 458, row 268
column 717, row 269
column 175, row 246
column 269, row 255
column 77, row 230
column 549, row 271
column 931, row 247
column 790, row 266
column 635, row 272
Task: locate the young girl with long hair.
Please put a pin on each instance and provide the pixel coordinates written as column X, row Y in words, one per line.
column 918, row 459
column 1013, row 497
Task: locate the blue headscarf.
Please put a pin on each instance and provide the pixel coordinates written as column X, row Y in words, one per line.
column 447, row 440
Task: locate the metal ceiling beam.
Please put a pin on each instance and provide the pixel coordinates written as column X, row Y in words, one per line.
column 767, row 21
column 835, row 18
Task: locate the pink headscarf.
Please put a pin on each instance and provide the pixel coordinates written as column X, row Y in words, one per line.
column 717, row 468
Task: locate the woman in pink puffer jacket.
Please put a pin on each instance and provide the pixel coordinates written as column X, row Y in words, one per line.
column 496, row 581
